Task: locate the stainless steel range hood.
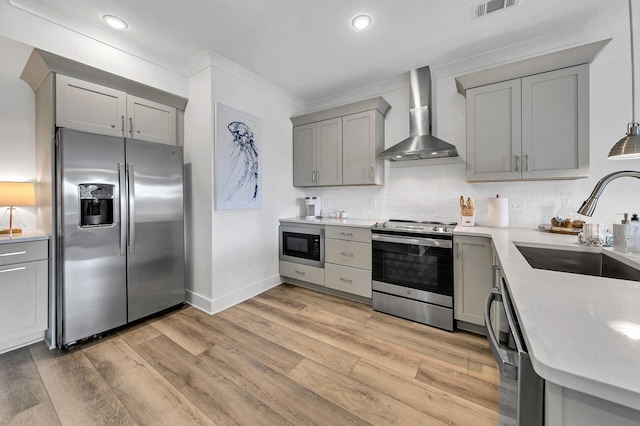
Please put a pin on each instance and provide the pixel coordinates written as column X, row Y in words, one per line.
column 420, row 144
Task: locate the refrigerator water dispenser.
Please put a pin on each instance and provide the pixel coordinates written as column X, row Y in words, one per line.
column 96, row 205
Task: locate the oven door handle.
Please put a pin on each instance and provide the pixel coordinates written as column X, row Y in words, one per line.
column 505, row 365
column 410, row 241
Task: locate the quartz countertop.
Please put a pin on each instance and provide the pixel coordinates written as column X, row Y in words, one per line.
column 361, row 223
column 568, row 320
column 25, row 236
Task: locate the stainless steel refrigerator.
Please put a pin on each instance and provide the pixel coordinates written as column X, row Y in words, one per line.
column 120, row 232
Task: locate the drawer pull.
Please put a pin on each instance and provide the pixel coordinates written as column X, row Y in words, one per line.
column 300, row 272
column 346, row 280
column 347, row 234
column 13, row 269
column 13, row 253
column 346, row 254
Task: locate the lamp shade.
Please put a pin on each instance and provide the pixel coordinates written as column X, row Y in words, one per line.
column 17, row 194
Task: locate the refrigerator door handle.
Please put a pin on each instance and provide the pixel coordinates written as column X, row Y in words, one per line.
column 122, row 181
column 132, row 209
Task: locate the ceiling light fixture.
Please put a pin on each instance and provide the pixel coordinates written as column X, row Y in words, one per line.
column 115, row 22
column 629, row 146
column 361, row 22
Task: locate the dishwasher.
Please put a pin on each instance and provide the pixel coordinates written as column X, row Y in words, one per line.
column 521, row 390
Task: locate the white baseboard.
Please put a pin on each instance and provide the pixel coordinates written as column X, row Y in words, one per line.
column 218, row 304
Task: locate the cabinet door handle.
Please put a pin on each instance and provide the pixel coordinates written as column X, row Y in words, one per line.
column 124, row 131
column 347, row 234
column 131, row 126
column 346, row 280
column 494, row 272
column 13, row 269
column 13, row 253
column 300, row 272
column 457, row 252
column 526, row 163
column 517, row 161
column 346, row 254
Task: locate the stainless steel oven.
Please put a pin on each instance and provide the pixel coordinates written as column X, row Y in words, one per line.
column 412, row 271
column 521, row 390
column 302, row 244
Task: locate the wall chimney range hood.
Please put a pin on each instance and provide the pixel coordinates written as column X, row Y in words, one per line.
column 420, row 144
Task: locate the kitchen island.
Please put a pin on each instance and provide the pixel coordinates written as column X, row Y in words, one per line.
column 571, row 326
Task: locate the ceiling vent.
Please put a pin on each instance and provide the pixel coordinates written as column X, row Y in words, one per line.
column 492, row 6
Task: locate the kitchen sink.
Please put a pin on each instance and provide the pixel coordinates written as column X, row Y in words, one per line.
column 596, row 263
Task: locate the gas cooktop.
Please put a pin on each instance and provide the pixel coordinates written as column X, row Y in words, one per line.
column 415, row 226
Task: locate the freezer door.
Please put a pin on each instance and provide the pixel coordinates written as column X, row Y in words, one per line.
column 155, row 265
column 92, row 294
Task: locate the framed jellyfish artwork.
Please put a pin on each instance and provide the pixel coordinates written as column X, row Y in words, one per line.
column 238, row 159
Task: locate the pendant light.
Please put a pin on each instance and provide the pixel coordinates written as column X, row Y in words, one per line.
column 629, row 146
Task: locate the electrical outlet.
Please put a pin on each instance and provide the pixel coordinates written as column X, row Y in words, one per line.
column 516, row 206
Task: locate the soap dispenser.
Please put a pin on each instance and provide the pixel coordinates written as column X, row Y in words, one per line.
column 626, row 235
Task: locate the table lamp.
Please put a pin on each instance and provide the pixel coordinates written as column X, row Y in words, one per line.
column 16, row 194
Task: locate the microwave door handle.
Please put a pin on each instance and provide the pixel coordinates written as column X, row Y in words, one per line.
column 501, row 356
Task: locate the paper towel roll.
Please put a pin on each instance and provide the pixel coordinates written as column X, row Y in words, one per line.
column 499, row 212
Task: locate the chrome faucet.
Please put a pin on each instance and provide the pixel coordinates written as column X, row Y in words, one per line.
column 589, row 205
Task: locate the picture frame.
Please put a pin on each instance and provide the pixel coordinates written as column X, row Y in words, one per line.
column 238, row 159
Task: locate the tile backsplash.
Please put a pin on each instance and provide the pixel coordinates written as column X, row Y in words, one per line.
column 433, row 193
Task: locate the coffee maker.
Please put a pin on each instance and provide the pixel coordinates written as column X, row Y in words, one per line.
column 313, row 207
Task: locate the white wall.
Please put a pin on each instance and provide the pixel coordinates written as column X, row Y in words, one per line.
column 238, row 248
column 433, row 191
column 17, row 125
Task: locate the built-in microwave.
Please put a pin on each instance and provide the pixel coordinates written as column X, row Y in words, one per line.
column 302, row 244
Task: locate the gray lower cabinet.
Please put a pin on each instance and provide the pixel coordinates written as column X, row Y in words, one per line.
column 306, row 273
column 535, row 127
column 348, row 260
column 473, row 278
column 24, row 282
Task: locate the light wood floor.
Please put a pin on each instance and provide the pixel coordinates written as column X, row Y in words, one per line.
column 288, row 356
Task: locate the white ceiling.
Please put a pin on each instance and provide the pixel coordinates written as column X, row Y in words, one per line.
column 307, row 47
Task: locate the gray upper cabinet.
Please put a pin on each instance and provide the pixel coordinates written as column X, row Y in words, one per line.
column 536, row 127
column 494, row 145
column 93, row 108
column 340, row 146
column 363, row 140
column 317, row 153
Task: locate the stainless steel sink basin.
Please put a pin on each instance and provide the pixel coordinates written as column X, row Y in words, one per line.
column 596, row 263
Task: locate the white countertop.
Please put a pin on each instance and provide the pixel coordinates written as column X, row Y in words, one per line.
column 566, row 318
column 24, row 236
column 360, row 223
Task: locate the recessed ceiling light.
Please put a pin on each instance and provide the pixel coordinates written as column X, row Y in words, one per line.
column 361, row 22
column 115, row 22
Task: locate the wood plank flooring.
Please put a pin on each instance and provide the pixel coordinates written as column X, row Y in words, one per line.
column 290, row 356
